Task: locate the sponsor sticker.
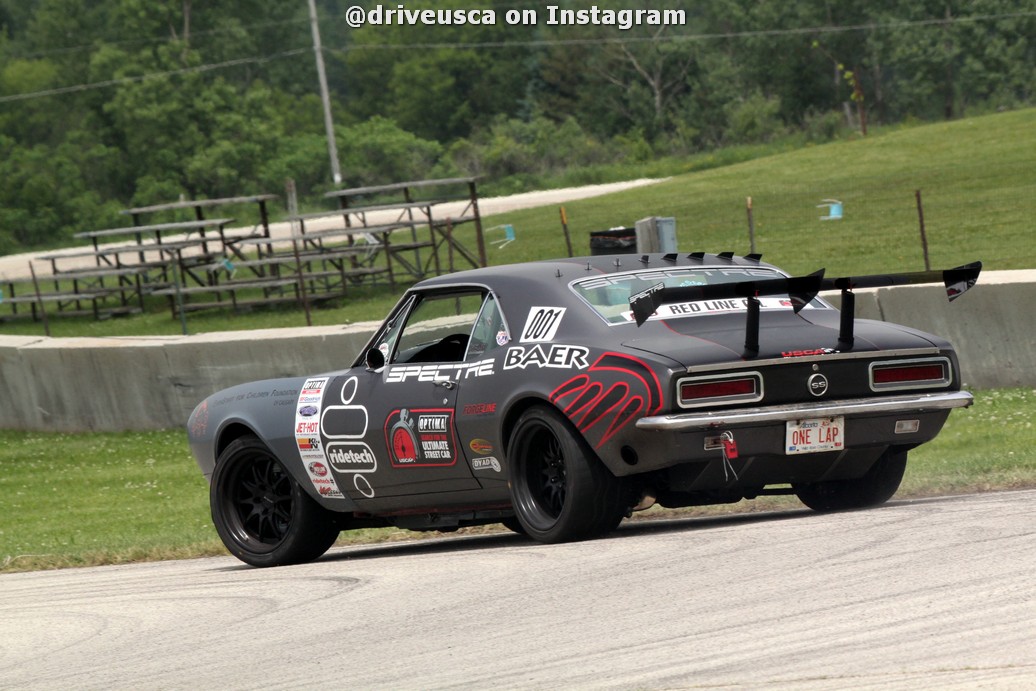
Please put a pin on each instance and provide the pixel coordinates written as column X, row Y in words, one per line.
column 486, row 463
column 542, row 324
column 555, row 356
column 420, row 437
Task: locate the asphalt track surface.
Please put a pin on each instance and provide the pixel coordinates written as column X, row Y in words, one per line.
column 937, row 593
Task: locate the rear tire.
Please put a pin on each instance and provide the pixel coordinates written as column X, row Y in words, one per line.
column 876, row 487
column 261, row 513
column 560, row 490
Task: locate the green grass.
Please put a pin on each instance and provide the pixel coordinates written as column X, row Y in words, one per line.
column 976, row 176
column 68, row 500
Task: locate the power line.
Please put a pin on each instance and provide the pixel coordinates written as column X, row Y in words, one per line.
column 151, row 75
column 762, row 33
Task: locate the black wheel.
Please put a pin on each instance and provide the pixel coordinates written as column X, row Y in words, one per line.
column 261, row 513
column 513, row 524
column 560, row 490
column 874, row 488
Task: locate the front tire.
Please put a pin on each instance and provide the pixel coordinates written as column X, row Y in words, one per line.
column 560, row 490
column 261, row 513
column 876, row 487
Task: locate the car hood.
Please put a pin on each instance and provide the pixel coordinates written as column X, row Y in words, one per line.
column 701, row 340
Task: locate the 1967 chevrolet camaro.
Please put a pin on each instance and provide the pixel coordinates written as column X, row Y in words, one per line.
column 557, row 397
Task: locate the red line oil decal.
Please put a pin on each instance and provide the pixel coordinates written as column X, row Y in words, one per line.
column 615, row 389
column 421, row 438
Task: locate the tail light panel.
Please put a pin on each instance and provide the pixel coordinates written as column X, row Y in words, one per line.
column 719, row 389
column 898, row 375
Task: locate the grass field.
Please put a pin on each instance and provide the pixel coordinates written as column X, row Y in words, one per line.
column 70, row 500
column 977, row 177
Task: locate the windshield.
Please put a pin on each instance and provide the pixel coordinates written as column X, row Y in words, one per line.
column 609, row 295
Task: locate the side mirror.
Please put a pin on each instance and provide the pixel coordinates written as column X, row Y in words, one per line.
column 375, row 359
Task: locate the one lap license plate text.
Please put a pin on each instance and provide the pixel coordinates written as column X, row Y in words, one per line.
column 813, row 436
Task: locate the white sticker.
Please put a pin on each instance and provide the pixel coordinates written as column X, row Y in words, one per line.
column 542, row 324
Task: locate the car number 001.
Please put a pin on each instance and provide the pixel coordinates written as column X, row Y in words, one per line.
column 813, row 436
column 542, row 324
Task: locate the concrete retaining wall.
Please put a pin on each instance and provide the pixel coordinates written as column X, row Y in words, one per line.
column 90, row 384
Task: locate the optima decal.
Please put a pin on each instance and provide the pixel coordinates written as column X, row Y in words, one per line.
column 421, row 437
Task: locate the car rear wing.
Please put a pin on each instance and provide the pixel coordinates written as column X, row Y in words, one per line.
column 801, row 290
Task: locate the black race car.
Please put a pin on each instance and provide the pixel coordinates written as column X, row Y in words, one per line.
column 557, row 397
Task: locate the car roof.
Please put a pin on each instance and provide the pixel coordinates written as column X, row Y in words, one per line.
column 579, row 267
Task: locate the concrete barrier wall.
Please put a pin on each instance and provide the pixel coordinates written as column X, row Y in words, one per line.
column 90, row 384
column 94, row 384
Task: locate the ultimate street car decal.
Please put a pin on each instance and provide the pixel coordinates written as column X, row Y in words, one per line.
column 421, row 438
column 586, row 401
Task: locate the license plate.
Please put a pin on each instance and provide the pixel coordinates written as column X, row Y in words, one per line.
column 815, row 435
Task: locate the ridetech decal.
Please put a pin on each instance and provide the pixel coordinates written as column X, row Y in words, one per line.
column 421, row 438
column 343, row 425
column 588, row 399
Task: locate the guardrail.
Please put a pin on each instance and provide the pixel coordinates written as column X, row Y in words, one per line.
column 110, row 384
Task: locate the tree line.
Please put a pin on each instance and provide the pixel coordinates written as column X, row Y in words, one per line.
column 118, row 103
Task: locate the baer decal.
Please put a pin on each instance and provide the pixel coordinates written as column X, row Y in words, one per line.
column 420, row 437
column 614, row 391
column 554, row 357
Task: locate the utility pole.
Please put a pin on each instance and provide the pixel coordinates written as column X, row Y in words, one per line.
column 332, row 148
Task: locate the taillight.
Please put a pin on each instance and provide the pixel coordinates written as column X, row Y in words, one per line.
column 721, row 389
column 910, row 374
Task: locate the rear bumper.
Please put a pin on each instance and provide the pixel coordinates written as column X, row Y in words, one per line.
column 891, row 405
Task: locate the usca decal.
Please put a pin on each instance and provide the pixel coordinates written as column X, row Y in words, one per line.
column 556, row 357
column 317, row 468
column 588, row 399
column 420, row 438
column 480, row 446
column 542, row 324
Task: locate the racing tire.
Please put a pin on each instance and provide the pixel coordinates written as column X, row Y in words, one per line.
column 876, row 487
column 560, row 490
column 260, row 511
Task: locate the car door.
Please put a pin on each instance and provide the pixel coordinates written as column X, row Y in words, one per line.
column 412, row 400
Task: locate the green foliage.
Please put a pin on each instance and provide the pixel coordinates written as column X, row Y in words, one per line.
column 379, row 152
column 153, row 99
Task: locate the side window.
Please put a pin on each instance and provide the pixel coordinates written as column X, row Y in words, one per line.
column 490, row 330
column 437, row 328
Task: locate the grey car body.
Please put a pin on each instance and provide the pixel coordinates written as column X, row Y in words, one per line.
column 556, row 397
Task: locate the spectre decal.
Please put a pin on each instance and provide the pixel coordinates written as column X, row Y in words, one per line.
column 594, row 397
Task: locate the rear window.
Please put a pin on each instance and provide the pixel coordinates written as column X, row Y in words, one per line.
column 609, row 295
